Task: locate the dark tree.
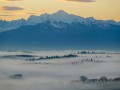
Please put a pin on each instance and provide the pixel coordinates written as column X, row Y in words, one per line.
column 83, row 78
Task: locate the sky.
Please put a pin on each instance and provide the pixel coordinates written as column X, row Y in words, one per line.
column 99, row 9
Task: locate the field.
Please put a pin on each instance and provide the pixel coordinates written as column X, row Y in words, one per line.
column 59, row 70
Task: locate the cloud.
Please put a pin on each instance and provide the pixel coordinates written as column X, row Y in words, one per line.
column 40, row 10
column 79, row 0
column 30, row 13
column 6, row 15
column 10, row 8
column 11, row 0
column 23, row 13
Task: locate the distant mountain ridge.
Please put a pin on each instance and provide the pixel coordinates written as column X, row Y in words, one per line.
column 55, row 17
column 61, row 31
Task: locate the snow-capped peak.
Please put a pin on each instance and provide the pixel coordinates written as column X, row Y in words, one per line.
column 90, row 19
column 61, row 12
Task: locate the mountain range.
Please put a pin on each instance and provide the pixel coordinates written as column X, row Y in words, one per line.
column 59, row 30
column 58, row 16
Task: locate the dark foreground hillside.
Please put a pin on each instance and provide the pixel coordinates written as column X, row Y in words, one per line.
column 60, row 35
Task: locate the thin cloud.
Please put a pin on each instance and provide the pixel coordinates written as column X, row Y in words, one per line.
column 23, row 13
column 11, row 0
column 10, row 8
column 6, row 15
column 79, row 0
column 30, row 13
column 43, row 10
column 40, row 10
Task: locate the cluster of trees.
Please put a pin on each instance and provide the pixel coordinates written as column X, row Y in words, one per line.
column 90, row 60
column 16, row 76
column 24, row 55
column 101, row 79
column 12, row 56
column 53, row 57
column 86, row 52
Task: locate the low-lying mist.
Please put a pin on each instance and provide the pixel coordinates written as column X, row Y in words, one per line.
column 58, row 74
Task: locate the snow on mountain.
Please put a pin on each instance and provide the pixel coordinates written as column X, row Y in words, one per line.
column 59, row 16
column 6, row 25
